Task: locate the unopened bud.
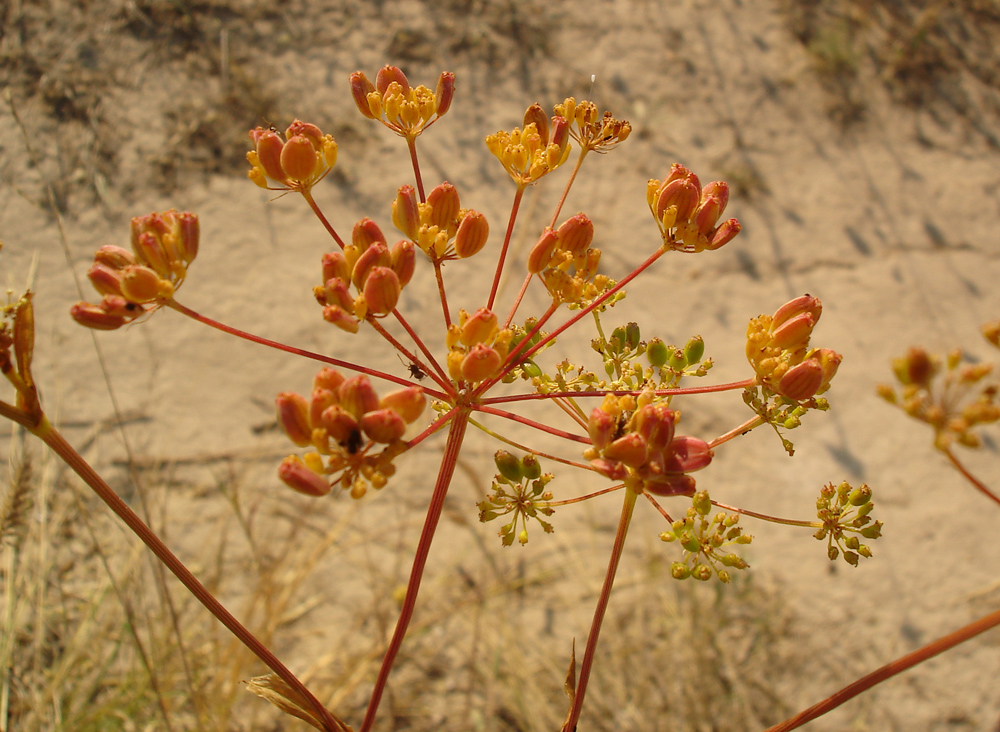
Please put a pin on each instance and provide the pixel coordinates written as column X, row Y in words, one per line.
column 365, row 233
column 445, row 92
column 383, row 426
column 328, row 378
column 694, row 349
column 657, row 352
column 296, row 475
column 472, row 234
column 94, row 316
column 381, row 290
column 681, row 193
column 630, row 449
column 388, row 74
column 508, row 465
column 357, row 396
column 531, row 467
column 339, row 317
column 687, row 454
column 377, row 255
column 408, row 402
column 293, row 416
column 360, row 89
column 601, row 427
column 481, row 362
column 671, row 485
column 405, row 213
column 142, row 285
column 106, row 280
column 804, row 304
column 269, row 146
column 445, row 204
column 403, row 260
column 340, row 425
column 541, row 254
column 726, row 232
column 299, row 159
column 114, row 257
column 481, row 327
column 793, row 334
column 536, row 115
column 576, row 234
column 802, row 381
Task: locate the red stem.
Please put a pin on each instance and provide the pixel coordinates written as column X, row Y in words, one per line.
column 506, row 243
column 619, row 392
column 889, row 670
column 296, row 351
column 456, row 434
column 319, row 214
column 602, row 606
column 435, row 375
column 977, row 484
column 444, row 297
column 517, row 300
column 572, row 177
column 411, row 143
column 532, row 423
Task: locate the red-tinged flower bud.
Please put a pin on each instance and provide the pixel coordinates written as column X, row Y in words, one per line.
column 671, row 485
column 365, row 233
column 655, row 422
column 117, row 305
column 802, row 381
column 681, row 193
column 269, row 147
column 113, row 257
column 358, row 396
column 299, row 159
column 383, row 426
column 408, row 403
column 830, row 361
column 445, row 93
column 328, row 378
column 339, row 317
column 94, row 316
column 793, row 334
column 481, row 327
column 444, row 203
column 296, row 475
column 150, row 251
column 472, row 234
column 382, row 290
column 106, row 280
column 575, row 234
column 403, row 260
column 293, row 416
column 726, row 232
column 609, row 469
column 335, row 266
column 560, row 132
column 141, row 284
column 321, row 399
column 308, row 130
column 601, row 427
column 541, row 254
column 360, row 89
column 377, row 255
column 916, row 367
column 336, row 292
column 405, row 214
column 188, row 235
column 339, row 424
column 687, row 454
column 708, row 214
column 677, row 172
column 536, row 115
column 798, row 306
column 388, row 74
column 630, row 449
column 481, row 362
column 719, row 189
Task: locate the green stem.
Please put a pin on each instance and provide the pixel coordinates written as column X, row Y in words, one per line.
column 456, row 434
column 602, row 606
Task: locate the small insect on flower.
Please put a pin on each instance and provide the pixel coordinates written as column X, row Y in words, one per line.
column 414, row 368
column 353, row 442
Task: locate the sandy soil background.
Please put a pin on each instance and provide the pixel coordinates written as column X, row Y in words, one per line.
column 862, row 142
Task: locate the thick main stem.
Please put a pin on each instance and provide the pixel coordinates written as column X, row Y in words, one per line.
column 65, row 451
column 602, row 606
column 449, row 461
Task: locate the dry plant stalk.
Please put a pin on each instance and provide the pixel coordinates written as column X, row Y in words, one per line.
column 619, row 420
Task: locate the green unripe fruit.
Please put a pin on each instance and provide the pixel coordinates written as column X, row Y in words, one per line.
column 657, row 352
column 632, row 336
column 508, row 465
column 679, row 570
column 702, row 572
column 694, row 349
column 617, row 339
column 678, row 361
column 861, row 495
column 531, row 369
column 702, row 503
column 724, row 576
column 531, row 468
column 851, row 542
column 690, row 542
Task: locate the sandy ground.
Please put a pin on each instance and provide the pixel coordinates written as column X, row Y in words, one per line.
column 886, row 210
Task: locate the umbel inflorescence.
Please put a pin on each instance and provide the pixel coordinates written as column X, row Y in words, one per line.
column 612, row 406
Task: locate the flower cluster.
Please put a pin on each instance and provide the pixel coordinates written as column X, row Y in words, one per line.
column 953, row 404
column 591, row 130
column 778, row 349
column 296, row 163
column 135, row 282
column 844, row 511
column 529, row 154
column 378, row 272
column 344, row 420
column 633, row 440
column 405, row 110
column 567, row 263
column 519, row 489
column 477, row 347
column 687, row 214
column 440, row 226
column 703, row 538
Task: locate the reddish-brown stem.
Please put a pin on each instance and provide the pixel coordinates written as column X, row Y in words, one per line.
column 517, row 300
column 889, row 670
column 319, row 214
column 564, row 404
column 506, row 243
column 434, row 374
column 771, row 519
column 977, row 484
column 449, row 460
column 602, row 606
column 515, row 356
column 421, row 345
column 532, row 423
column 51, row 437
column 411, row 143
column 658, row 507
column 525, row 448
column 572, row 177
column 578, row 499
column 750, row 424
column 444, row 298
column 184, row 310
column 619, row 392
column 430, row 429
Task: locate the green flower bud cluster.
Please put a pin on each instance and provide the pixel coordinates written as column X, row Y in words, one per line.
column 779, row 411
column 663, row 365
column 844, row 511
column 518, row 490
column 703, row 540
column 527, row 369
